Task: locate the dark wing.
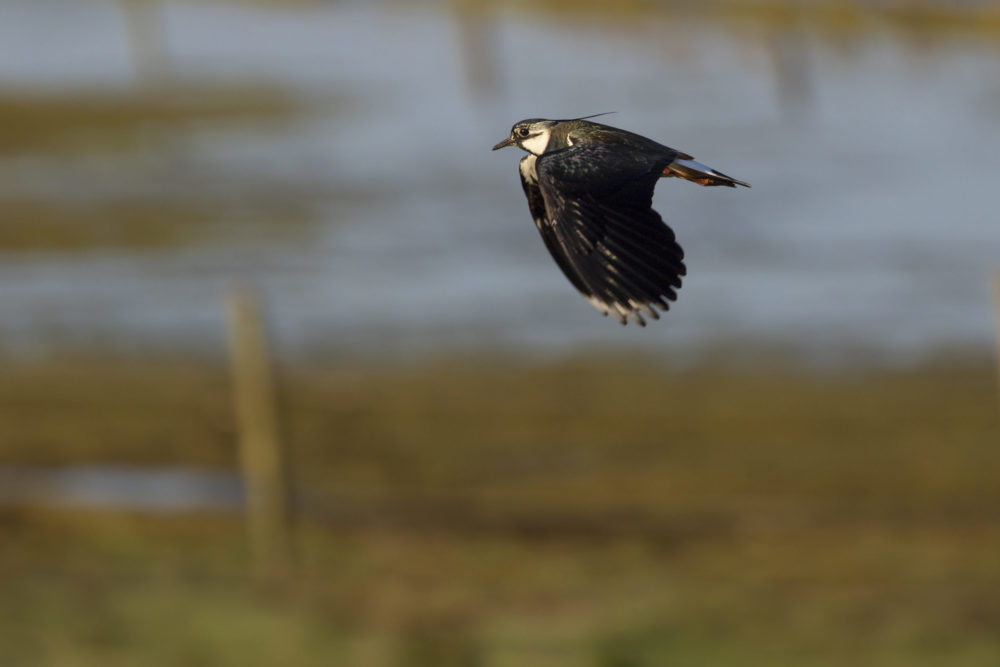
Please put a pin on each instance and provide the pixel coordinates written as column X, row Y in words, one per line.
column 600, row 227
column 536, row 204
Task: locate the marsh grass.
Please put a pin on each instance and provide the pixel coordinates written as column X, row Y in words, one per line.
column 823, row 17
column 139, row 224
column 123, row 119
column 117, row 175
column 589, row 512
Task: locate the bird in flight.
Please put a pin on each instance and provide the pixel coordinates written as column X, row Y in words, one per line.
column 590, row 191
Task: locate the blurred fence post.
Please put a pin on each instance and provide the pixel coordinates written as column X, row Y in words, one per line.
column 146, row 33
column 265, row 474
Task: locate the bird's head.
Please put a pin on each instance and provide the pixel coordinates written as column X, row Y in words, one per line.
column 531, row 135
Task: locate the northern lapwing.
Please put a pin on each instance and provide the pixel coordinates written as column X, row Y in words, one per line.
column 590, row 190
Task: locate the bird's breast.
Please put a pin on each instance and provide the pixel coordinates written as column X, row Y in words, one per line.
column 528, row 171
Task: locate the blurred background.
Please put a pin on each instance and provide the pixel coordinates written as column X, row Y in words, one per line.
column 796, row 465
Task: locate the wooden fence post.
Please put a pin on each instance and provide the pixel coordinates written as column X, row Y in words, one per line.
column 265, row 474
column 146, row 34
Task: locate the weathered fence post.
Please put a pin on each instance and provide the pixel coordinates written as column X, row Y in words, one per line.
column 146, row 33
column 265, row 474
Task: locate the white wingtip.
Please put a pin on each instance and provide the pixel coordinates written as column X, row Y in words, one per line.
column 634, row 311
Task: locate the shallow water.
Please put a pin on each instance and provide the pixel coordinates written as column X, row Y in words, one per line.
column 870, row 225
column 144, row 489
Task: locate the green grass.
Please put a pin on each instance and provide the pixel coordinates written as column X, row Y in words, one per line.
column 591, row 512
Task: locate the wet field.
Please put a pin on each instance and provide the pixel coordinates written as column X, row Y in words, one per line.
column 797, row 465
column 584, row 512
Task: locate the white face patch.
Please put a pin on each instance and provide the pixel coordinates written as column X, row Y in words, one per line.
column 536, row 144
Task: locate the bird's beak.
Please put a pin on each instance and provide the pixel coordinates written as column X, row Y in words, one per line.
column 509, row 141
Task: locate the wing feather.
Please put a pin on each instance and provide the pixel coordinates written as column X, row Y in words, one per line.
column 597, row 221
column 536, row 204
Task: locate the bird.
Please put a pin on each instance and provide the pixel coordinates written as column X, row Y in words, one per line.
column 590, row 192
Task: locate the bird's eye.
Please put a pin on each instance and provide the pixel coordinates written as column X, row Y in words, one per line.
column 522, row 131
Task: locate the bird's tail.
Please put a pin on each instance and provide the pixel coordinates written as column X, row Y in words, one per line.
column 691, row 170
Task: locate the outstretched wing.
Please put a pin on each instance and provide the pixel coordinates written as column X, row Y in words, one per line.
column 536, row 204
column 600, row 227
